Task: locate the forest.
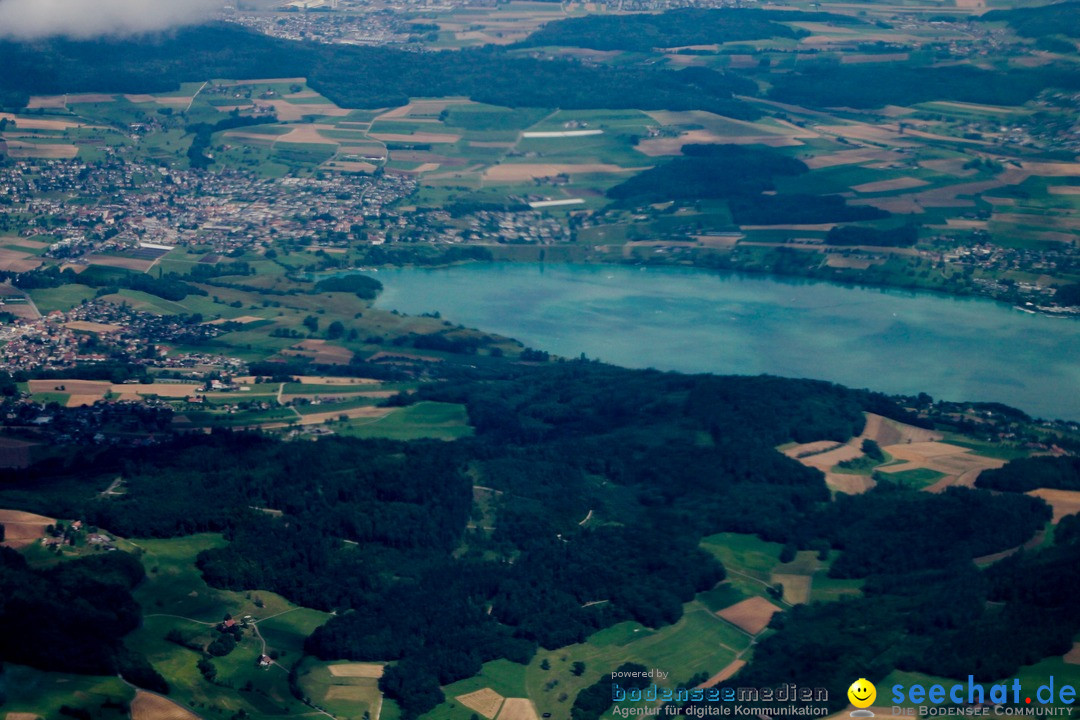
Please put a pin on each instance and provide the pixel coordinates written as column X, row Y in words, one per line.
column 739, row 174
column 709, row 171
column 661, row 459
column 355, row 76
column 1062, row 18
column 1062, row 473
column 73, row 617
column 830, row 84
column 798, row 208
column 675, row 28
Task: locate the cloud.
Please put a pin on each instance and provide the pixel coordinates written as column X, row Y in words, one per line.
column 80, row 19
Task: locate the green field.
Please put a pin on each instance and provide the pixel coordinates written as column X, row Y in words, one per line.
column 917, row 478
column 442, row 421
column 750, row 561
column 62, row 298
column 43, row 693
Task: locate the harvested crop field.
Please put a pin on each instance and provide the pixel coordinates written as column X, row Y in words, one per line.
column 843, row 157
column 148, row 706
column 23, row 242
column 369, row 412
column 75, row 387
column 16, row 261
column 28, row 123
column 1051, row 169
column 94, row 327
column 357, row 670
column 331, row 380
column 352, row 166
column 796, row 587
column 52, row 151
column 1072, row 657
column 943, row 457
column 902, row 205
column 243, row 320
column 673, row 145
column 949, row 166
column 871, row 133
column 289, row 112
column 81, row 400
column 850, row 58
column 52, row 102
column 518, row 709
column 890, row 432
column 321, row 352
column 308, row 134
column 902, row 183
column 1064, row 502
column 512, row 172
column 22, row 716
column 420, row 137
column 127, row 263
column 848, row 483
column 89, row 98
column 352, row 693
column 422, row 107
column 853, row 263
column 823, row 454
column 23, row 528
column 751, row 615
column 341, row 395
column 1064, row 189
column 485, row 701
column 172, row 390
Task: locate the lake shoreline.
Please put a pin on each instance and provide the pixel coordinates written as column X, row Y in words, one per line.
column 1015, row 302
column 687, row 319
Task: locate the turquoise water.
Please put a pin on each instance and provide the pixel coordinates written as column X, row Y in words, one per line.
column 696, row 321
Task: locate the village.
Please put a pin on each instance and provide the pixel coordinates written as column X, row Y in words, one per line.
column 119, row 206
column 97, row 332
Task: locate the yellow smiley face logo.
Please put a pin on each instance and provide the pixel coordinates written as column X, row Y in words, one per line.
column 862, row 693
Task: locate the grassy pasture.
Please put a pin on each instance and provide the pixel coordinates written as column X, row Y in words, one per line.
column 43, row 693
column 917, row 478
column 750, row 561
column 61, row 298
column 442, row 421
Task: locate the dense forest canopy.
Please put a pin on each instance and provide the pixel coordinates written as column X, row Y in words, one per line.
column 904, row 236
column 355, row 76
column 740, row 174
column 1061, row 18
column 686, row 26
column 830, row 84
column 1062, row 473
column 73, row 617
column 709, row 171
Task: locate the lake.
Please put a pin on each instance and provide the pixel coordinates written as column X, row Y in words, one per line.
column 698, row 321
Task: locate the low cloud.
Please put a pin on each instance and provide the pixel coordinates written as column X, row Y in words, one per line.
column 83, row 19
